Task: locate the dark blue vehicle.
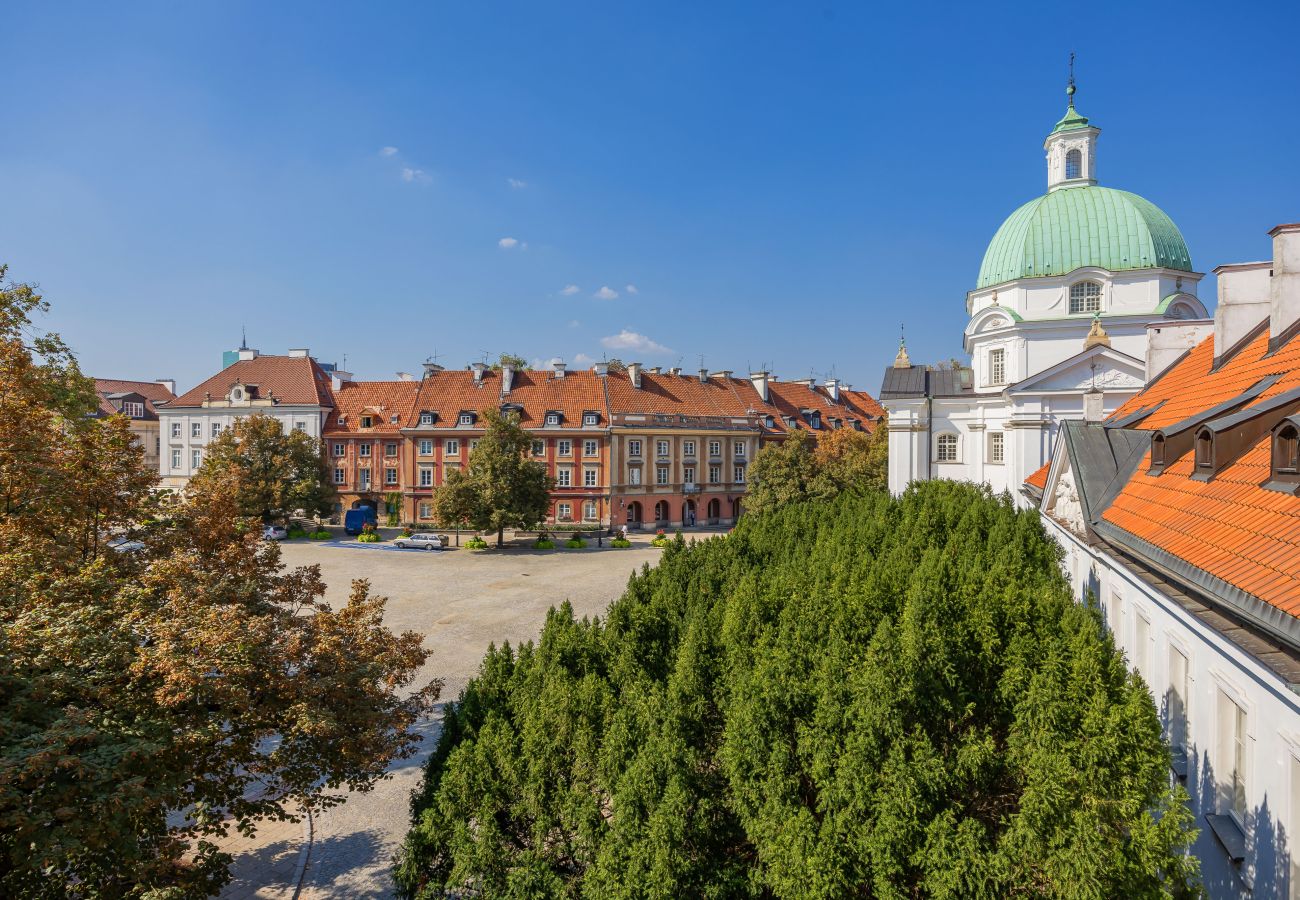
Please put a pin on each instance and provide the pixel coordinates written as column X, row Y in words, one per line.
column 356, row 519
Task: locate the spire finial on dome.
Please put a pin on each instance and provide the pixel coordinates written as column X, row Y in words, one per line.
column 1096, row 334
column 1069, row 89
column 902, row 360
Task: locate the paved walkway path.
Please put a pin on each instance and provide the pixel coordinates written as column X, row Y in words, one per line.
column 462, row 601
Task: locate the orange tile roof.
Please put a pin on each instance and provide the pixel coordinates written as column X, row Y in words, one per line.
column 684, row 394
column 1230, row 526
column 296, row 380
column 788, row 398
column 381, row 399
column 152, row 391
column 449, row 392
column 1039, row 478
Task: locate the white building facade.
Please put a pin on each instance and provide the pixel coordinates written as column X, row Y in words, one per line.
column 1058, row 327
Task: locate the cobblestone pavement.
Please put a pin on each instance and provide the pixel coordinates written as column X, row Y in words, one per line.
column 462, row 601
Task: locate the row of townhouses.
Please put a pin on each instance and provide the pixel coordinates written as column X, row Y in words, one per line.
column 1162, row 447
column 637, row 446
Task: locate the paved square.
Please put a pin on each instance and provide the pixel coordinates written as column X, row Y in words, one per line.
column 462, row 601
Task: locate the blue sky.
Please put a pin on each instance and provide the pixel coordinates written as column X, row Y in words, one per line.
column 777, row 184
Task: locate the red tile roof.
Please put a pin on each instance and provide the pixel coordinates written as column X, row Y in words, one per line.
column 685, row 395
column 296, row 380
column 447, row 393
column 152, row 391
column 1039, row 478
column 382, row 400
column 1230, row 526
column 789, row 398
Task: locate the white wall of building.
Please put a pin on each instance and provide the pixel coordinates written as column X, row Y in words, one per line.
column 189, row 429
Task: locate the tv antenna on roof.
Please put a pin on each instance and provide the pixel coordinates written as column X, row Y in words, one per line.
column 434, row 356
column 243, row 337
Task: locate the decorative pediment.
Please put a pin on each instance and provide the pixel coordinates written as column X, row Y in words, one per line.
column 1099, row 366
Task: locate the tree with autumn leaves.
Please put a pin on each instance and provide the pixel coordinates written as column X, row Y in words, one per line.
column 152, row 701
column 806, row 467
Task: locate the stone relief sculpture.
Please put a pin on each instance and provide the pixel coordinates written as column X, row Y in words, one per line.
column 1066, row 506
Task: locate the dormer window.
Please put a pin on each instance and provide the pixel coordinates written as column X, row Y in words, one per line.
column 1157, row 450
column 590, row 419
column 392, row 420
column 552, row 418
column 1085, row 297
column 367, row 421
column 1073, row 164
column 1204, row 451
column 426, row 418
column 769, row 422
column 1286, row 449
column 236, row 393
column 466, row 418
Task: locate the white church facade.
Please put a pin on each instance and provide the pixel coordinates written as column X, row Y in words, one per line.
column 1065, row 324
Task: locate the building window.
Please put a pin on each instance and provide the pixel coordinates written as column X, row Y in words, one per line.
column 364, row 449
column 539, row 447
column 426, row 418
column 661, row 475
column 1179, row 691
column 390, row 475
column 196, row 429
column 564, row 448
column 338, row 449
column 997, row 447
column 946, row 448
column 688, row 448
column 634, row 476
column 426, row 476
column 1232, row 768
column 390, row 449
column 715, row 474
column 1142, row 645
column 451, row 447
column 176, row 459
column 564, row 477
column 196, row 458
column 1204, row 449
column 688, row 475
column 552, row 419
column 1085, row 297
column 661, row 448
column 998, row 366
column 564, row 512
column 588, row 448
column 426, row 511
column 426, row 447
column 1286, row 450
column 133, row 409
column 1115, row 614
column 365, row 479
column 216, row 429
column 589, row 477
column 1074, row 164
column 367, row 421
column 467, row 418
column 739, row 473
column 176, row 429
column 589, row 511
column 589, row 419
column 299, row 426
column 473, row 445
column 738, row 448
column 633, row 448
column 715, row 448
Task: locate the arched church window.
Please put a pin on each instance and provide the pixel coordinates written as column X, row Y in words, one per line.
column 946, row 448
column 1074, row 164
column 1085, row 297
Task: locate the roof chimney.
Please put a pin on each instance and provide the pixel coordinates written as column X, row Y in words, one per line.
column 430, row 368
column 1243, row 304
column 724, row 374
column 1284, row 314
column 338, row 378
column 478, row 369
column 634, row 374
column 1167, row 340
column 405, row 376
column 247, row 353
column 507, row 378
column 760, row 384
column 833, row 388
column 601, row 369
column 675, row 370
column 1094, row 409
column 704, row 375
column 169, row 384
column 559, row 368
column 300, row 353
column 654, row 370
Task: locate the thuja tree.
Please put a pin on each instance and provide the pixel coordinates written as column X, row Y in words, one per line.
column 151, row 701
column 863, row 696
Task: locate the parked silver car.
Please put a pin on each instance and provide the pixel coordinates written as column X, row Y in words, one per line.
column 420, row 542
column 274, row 533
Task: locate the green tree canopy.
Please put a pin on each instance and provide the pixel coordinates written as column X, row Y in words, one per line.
column 274, row 472
column 862, row 697
column 803, row 467
column 153, row 700
column 502, row 487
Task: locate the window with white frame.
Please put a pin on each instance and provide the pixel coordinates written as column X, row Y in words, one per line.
column 688, row 474
column 390, row 475
column 688, row 448
column 715, row 474
column 997, row 366
column 589, row 448
column 1233, row 766
column 590, row 477
column 365, row 479
column 363, row 449
column 426, row 476
column 589, row 419
column 1115, row 613
column 564, row 477
column 1074, row 164
column 589, row 511
column 426, row 511
column 196, row 429
column 739, row 474
column 1085, row 297
column 426, row 447
column 196, row 458
column 426, row 418
column 715, row 448
column 997, row 447
column 539, row 447
column 633, row 448
column 738, row 448
column 299, row 426
column 467, row 418
column 216, row 429
column 945, row 448
column 451, row 447
column 176, row 429
column 564, row 512
column 661, row 475
column 133, row 408
column 339, row 449
column 1142, row 645
column 176, row 459
column 552, row 418
column 661, row 448
column 564, row 448
column 339, row 476
column 634, row 475
column 1179, row 691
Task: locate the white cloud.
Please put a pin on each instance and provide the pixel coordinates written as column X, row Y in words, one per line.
column 417, row 176
column 387, row 151
column 606, row 293
column 630, row 340
column 574, row 323
column 631, row 289
column 570, row 289
column 507, row 243
column 516, row 183
column 583, row 361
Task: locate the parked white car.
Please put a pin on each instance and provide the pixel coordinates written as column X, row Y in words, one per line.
column 420, row 542
column 274, row 533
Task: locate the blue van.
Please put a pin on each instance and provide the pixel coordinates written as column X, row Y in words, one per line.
column 354, row 520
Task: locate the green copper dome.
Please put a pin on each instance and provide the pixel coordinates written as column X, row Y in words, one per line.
column 1070, row 228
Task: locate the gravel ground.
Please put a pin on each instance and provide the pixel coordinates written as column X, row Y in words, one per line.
column 462, row 601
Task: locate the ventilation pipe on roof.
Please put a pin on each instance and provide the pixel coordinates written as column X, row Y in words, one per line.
column 169, row 384
column 833, row 388
column 1284, row 314
column 634, row 374
column 507, row 378
column 559, row 368
column 478, row 369
column 1243, row 305
column 760, row 384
